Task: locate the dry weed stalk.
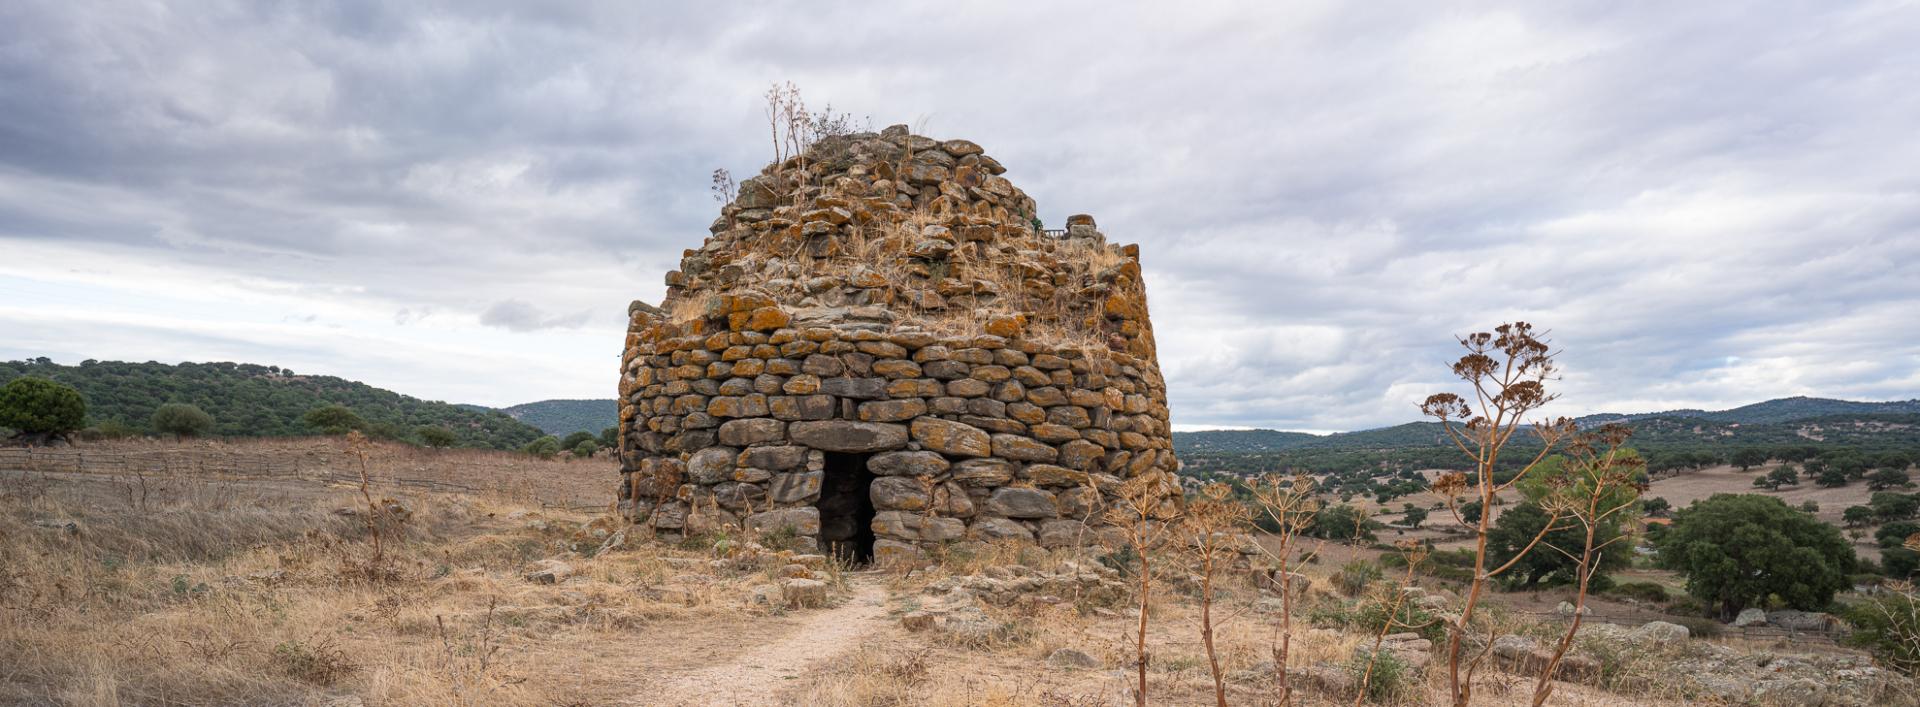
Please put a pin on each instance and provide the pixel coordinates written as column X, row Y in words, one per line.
column 1289, row 503
column 1142, row 514
column 1595, row 487
column 357, row 446
column 1507, row 369
column 1395, row 598
column 1213, row 529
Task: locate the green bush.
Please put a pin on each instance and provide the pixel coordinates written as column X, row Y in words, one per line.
column 1391, row 680
column 1643, row 591
column 181, row 420
column 1887, row 626
column 545, row 447
column 1353, row 577
column 1372, row 616
column 38, row 406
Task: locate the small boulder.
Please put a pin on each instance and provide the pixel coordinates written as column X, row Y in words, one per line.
column 1073, row 659
column 1661, row 632
column 804, row 593
column 549, row 572
column 1750, row 617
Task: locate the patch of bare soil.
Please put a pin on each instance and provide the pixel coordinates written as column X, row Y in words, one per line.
column 737, row 668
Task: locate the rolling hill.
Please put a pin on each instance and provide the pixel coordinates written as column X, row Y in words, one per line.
column 563, row 417
column 248, row 400
column 1781, row 421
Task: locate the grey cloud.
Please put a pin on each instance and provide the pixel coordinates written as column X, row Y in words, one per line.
column 515, row 315
column 1708, row 205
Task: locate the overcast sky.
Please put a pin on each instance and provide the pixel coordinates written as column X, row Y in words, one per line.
column 1710, row 204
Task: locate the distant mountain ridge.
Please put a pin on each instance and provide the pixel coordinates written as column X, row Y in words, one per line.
column 1769, row 421
column 564, row 417
column 1774, row 411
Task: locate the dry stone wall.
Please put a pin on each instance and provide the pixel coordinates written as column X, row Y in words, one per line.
column 878, row 349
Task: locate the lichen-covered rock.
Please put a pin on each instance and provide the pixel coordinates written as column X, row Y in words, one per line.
column 908, row 464
column 951, row 438
column 1015, row 502
column 848, row 436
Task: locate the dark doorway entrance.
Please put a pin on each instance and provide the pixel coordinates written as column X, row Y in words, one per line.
column 846, row 508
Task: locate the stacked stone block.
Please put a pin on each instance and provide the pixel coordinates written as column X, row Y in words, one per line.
column 820, row 319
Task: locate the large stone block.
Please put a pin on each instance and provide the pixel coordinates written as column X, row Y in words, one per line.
column 848, row 436
column 712, row 465
column 801, row 407
column 1024, row 449
column 1022, row 503
column 892, row 410
column 797, row 487
column 953, row 438
column 900, row 493
column 984, row 473
column 754, row 405
column 739, row 496
column 907, row 464
column 752, row 431
column 779, row 458
column 903, row 525
column 856, row 388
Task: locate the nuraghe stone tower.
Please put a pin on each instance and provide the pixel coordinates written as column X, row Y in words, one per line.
column 878, row 350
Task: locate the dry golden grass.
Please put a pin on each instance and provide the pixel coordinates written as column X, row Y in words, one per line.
column 258, row 592
column 224, row 590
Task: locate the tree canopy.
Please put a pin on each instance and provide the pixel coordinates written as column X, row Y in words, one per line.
column 181, row 419
column 1549, row 562
column 1736, row 550
column 37, row 406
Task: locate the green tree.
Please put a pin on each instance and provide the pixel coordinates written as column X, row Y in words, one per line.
column 41, row 409
column 1748, row 457
column 1656, row 507
column 1831, row 478
column 333, row 420
column 1341, row 522
column 1516, row 528
column 434, row 436
column 610, row 438
column 573, row 440
column 1414, row 516
column 585, row 449
column 1809, row 507
column 182, row 420
column 1736, row 550
column 1856, row 516
column 1893, row 506
column 544, row 448
column 1784, row 475
column 1470, row 512
column 1896, row 533
column 1886, row 478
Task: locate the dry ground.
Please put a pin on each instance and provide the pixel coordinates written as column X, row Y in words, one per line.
column 230, row 589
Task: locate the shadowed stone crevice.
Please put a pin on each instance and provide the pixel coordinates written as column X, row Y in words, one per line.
column 846, row 508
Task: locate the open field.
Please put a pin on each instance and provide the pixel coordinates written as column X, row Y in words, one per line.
column 225, row 588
